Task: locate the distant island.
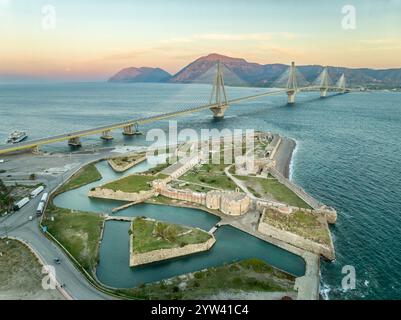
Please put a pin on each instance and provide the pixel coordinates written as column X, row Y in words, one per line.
column 239, row 72
column 143, row 74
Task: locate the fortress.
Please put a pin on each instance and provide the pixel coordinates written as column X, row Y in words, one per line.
column 228, row 202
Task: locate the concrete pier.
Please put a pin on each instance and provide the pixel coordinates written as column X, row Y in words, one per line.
column 291, row 97
column 75, row 142
column 218, row 112
column 130, row 131
column 106, row 135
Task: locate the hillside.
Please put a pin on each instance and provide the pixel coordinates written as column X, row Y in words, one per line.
column 239, row 72
column 254, row 74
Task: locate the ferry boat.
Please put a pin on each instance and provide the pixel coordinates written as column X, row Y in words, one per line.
column 17, row 136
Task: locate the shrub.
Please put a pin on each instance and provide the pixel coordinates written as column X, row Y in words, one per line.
column 237, row 281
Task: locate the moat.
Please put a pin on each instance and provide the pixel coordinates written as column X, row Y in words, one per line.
column 113, row 268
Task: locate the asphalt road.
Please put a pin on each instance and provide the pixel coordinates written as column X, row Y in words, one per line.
column 19, row 226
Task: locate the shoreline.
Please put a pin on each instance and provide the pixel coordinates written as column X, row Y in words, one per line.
column 284, row 156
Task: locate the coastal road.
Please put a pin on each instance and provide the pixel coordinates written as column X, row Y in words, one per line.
column 18, row 225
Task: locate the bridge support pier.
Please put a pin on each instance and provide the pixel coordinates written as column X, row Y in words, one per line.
column 35, row 150
column 106, row 135
column 323, row 92
column 74, row 142
column 218, row 112
column 291, row 97
column 129, row 130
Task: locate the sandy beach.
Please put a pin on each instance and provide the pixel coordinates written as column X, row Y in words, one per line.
column 284, row 155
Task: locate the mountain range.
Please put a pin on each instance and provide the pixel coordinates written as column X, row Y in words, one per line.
column 239, row 72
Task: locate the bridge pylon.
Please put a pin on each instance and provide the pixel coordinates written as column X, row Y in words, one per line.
column 292, row 85
column 342, row 84
column 218, row 96
column 325, row 82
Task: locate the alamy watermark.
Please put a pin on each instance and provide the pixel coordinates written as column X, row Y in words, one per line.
column 212, row 145
column 49, row 17
column 348, row 21
column 349, row 280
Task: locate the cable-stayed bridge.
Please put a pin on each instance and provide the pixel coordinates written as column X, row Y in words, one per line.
column 218, row 104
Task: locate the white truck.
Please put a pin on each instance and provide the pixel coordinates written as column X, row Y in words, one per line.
column 44, row 197
column 21, row 203
column 40, row 208
column 37, row 191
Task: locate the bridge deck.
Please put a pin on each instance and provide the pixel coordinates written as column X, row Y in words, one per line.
column 98, row 130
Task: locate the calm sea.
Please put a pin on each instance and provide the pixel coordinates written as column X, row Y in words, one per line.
column 348, row 155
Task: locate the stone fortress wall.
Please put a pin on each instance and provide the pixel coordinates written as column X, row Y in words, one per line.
column 326, row 251
column 137, row 259
column 101, row 193
column 228, row 202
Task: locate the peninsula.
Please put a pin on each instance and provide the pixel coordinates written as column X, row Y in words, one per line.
column 253, row 195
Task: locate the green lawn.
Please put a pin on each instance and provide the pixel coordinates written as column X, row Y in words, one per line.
column 245, row 276
column 86, row 175
column 79, row 232
column 158, row 168
column 149, row 235
column 132, row 183
column 210, row 175
column 190, row 186
column 127, row 159
column 311, row 226
column 273, row 189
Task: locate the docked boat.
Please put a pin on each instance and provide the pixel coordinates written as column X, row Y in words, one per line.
column 17, row 136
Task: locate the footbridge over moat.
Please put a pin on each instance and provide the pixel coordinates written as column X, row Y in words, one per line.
column 218, row 104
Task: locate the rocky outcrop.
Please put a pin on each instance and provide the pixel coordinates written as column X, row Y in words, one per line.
column 137, row 259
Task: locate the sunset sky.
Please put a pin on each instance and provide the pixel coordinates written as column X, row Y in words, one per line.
column 92, row 39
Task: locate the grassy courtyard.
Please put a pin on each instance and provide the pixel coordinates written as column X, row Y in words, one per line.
column 79, row 232
column 87, row 174
column 127, row 160
column 191, row 186
column 132, row 183
column 271, row 188
column 311, row 226
column 210, row 175
column 158, row 168
column 250, row 275
column 149, row 235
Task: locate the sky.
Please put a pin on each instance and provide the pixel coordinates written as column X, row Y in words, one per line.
column 76, row 40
